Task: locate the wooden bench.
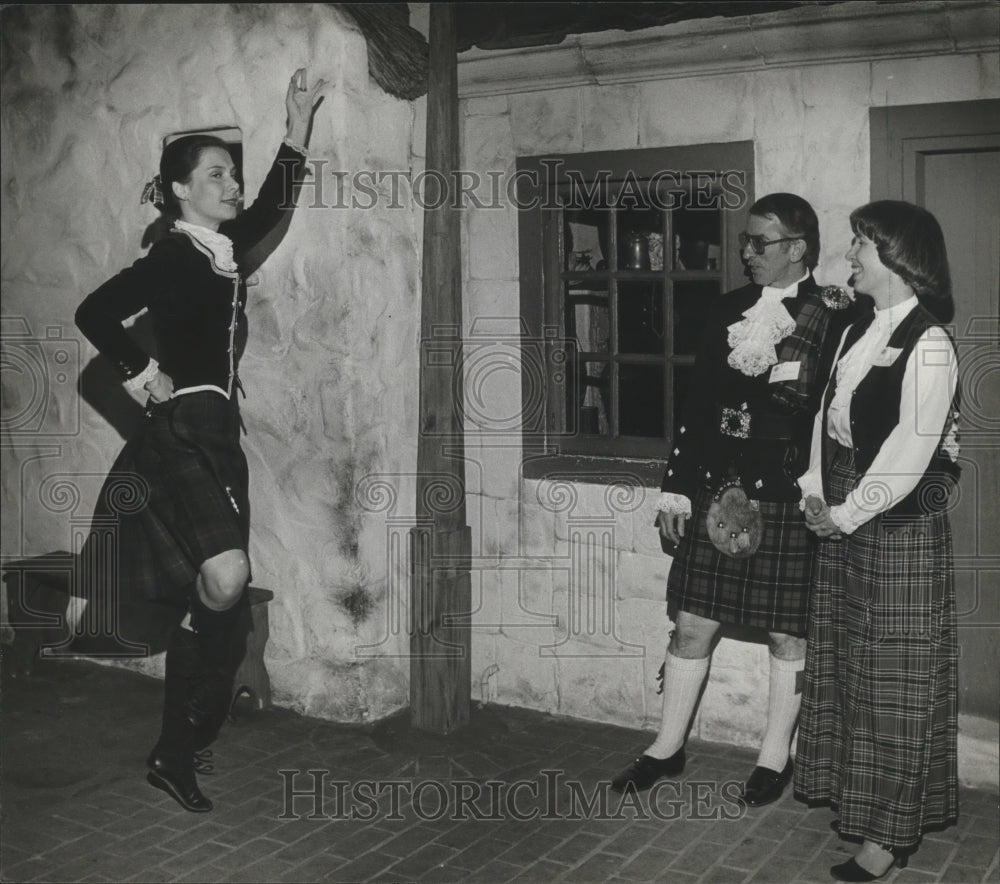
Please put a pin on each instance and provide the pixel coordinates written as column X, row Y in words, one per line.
column 37, row 592
column 251, row 676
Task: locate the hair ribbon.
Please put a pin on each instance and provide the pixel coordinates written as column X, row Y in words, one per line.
column 153, row 192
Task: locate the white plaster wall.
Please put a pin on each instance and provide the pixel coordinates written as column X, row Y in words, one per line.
column 330, row 370
column 810, row 129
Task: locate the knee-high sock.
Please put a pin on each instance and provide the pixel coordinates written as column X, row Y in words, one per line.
column 682, row 681
column 75, row 606
column 784, row 700
column 220, row 637
column 176, row 733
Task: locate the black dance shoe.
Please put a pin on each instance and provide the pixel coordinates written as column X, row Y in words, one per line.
column 646, row 770
column 765, row 785
column 851, row 871
column 174, row 774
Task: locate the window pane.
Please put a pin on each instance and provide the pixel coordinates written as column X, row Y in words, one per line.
column 697, row 238
column 693, row 301
column 640, row 400
column 588, row 318
column 640, row 317
column 636, row 228
column 683, row 378
column 586, row 238
column 592, row 398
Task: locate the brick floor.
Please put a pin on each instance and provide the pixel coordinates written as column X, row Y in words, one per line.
column 519, row 796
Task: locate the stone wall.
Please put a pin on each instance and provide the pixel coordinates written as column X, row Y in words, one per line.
column 588, row 641
column 89, row 92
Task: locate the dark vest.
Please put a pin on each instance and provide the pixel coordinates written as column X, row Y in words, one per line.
column 875, row 414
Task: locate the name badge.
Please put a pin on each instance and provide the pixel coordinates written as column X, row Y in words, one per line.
column 887, row 356
column 785, row 371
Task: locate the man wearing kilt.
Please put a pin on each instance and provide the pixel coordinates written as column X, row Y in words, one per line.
column 879, row 715
column 760, row 366
column 171, row 528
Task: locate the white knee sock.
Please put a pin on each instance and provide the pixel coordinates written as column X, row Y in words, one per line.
column 75, row 607
column 782, row 711
column 682, row 680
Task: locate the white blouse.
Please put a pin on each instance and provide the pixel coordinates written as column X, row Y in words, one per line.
column 929, row 383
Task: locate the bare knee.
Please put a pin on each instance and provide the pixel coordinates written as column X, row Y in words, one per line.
column 788, row 647
column 692, row 638
column 222, row 579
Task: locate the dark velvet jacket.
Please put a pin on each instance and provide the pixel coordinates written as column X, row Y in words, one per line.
column 197, row 309
column 733, row 424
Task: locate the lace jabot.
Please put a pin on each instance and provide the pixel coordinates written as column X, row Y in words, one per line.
column 220, row 245
column 754, row 337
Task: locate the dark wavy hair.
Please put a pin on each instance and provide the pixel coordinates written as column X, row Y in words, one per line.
column 796, row 216
column 909, row 242
column 178, row 160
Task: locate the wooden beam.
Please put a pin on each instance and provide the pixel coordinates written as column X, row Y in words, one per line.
column 440, row 629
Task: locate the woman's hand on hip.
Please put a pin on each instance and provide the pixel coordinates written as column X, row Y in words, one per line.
column 160, row 388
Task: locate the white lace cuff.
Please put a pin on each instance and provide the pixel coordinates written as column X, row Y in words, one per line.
column 840, row 518
column 672, row 504
column 810, row 483
column 144, row 377
column 294, row 145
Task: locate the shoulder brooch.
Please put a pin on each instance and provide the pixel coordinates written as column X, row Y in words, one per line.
column 835, row 297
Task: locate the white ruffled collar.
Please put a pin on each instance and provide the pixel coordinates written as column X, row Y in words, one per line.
column 220, row 245
column 754, row 337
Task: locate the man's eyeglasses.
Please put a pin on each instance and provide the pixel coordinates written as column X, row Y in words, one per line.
column 758, row 243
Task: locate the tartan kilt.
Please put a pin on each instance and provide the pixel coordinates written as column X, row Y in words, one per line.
column 878, row 729
column 768, row 590
column 176, row 495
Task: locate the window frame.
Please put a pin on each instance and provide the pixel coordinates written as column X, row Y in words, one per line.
column 542, row 276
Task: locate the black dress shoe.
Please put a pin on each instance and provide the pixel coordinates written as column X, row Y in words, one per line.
column 175, row 776
column 851, row 871
column 646, row 770
column 765, row 785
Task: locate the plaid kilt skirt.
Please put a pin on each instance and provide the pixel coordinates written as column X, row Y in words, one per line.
column 176, row 495
column 768, row 590
column 878, row 728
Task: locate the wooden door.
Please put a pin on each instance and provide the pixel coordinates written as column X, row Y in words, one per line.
column 946, row 157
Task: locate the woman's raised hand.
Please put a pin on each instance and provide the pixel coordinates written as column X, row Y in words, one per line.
column 300, row 102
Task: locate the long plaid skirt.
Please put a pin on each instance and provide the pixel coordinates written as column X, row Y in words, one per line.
column 176, row 495
column 769, row 590
column 878, row 730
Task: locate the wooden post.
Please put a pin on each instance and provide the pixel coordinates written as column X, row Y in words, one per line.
column 441, row 542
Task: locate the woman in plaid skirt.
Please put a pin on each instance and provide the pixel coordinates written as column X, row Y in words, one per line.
column 877, row 738
column 177, row 496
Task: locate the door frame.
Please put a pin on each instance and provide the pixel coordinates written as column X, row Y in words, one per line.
column 901, row 134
